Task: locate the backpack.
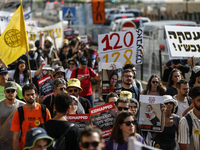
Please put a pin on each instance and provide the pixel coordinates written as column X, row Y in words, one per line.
column 21, row 114
column 137, row 84
column 189, row 121
column 59, row 144
column 189, row 103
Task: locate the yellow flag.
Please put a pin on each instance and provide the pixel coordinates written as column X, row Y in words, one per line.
column 13, row 41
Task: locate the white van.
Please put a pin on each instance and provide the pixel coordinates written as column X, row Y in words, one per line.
column 154, row 39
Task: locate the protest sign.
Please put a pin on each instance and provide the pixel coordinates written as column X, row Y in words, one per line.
column 123, row 47
column 111, row 78
column 151, row 116
column 46, row 86
column 103, row 117
column 84, row 38
column 81, row 120
column 183, row 41
column 53, row 30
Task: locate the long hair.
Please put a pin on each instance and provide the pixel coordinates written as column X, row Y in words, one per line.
column 170, row 82
column 114, row 73
column 25, row 72
column 116, row 133
column 160, row 88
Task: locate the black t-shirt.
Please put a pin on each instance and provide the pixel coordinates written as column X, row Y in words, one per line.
column 183, row 69
column 171, row 91
column 132, row 90
column 85, row 103
column 49, row 102
column 55, row 128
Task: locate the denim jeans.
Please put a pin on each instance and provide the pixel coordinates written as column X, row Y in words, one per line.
column 90, row 98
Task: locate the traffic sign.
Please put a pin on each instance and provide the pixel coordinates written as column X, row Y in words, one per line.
column 126, row 26
column 98, row 11
column 69, row 13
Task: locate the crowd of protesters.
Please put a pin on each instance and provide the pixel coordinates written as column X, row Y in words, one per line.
column 28, row 120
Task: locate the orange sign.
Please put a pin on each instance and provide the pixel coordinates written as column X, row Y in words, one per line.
column 98, row 11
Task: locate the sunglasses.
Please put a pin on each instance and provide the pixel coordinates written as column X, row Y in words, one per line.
column 8, row 91
column 155, row 82
column 75, row 90
column 168, row 103
column 133, row 107
column 71, row 64
column 87, row 144
column 128, row 123
column 124, row 108
column 61, row 88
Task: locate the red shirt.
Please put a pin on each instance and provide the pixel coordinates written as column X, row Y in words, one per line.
column 86, row 83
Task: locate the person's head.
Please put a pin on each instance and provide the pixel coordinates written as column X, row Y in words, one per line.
column 112, row 97
column 73, row 63
column 65, row 42
column 59, row 85
column 65, row 49
column 74, row 87
column 182, row 87
column 62, row 102
column 149, row 108
column 37, row 43
column 122, row 104
column 174, row 77
column 170, row 103
column 195, row 75
column 59, row 72
column 32, row 47
column 37, row 139
column 128, row 77
column 132, row 68
column 175, row 63
column 134, row 106
column 83, row 62
column 113, row 79
column 10, row 90
column 90, row 138
column 29, row 92
column 124, row 126
column 3, row 76
column 195, row 94
column 74, row 105
column 48, row 42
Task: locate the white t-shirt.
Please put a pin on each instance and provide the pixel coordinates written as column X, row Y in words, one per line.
column 181, row 107
column 68, row 73
column 21, row 77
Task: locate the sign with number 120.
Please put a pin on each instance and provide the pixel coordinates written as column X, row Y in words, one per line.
column 122, row 47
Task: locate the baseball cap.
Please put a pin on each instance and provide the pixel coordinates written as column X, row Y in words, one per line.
column 10, row 85
column 73, row 82
column 32, row 46
column 3, row 69
column 35, row 134
column 83, row 60
column 74, row 60
column 125, row 94
column 58, row 69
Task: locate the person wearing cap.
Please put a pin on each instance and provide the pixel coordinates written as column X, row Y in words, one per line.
column 73, row 63
column 8, row 106
column 74, row 89
column 3, row 79
column 59, row 72
column 32, row 114
column 59, row 124
column 59, row 86
column 37, row 138
column 166, row 139
column 176, row 63
column 84, row 74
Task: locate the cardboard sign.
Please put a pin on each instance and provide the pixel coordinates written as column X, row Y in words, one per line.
column 151, row 116
column 111, row 78
column 183, row 41
column 53, row 30
column 84, row 38
column 46, row 86
column 81, row 120
column 123, row 47
column 98, row 11
column 103, row 117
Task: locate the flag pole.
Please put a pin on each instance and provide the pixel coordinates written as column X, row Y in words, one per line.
column 29, row 66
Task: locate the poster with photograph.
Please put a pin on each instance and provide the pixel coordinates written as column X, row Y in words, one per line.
column 46, row 86
column 81, row 120
column 103, row 117
column 151, row 116
column 111, row 78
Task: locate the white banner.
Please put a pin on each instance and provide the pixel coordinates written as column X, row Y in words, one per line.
column 183, row 41
column 123, row 47
column 56, row 30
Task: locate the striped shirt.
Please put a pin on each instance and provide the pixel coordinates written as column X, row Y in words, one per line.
column 183, row 137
